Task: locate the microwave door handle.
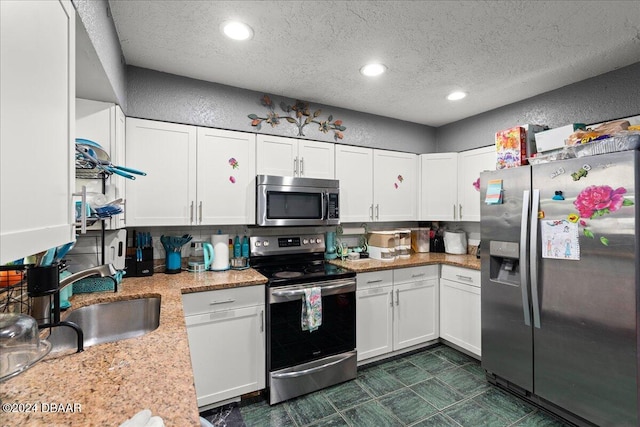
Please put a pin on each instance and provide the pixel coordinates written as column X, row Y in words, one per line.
column 325, row 206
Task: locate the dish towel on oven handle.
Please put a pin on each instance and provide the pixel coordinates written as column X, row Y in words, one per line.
column 311, row 318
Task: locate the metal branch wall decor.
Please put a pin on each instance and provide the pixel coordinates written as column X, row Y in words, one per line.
column 299, row 115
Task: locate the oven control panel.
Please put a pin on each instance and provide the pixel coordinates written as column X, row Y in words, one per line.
column 265, row 245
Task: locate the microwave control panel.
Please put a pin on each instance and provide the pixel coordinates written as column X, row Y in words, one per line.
column 333, row 211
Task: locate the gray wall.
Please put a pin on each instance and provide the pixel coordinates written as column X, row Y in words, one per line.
column 100, row 28
column 167, row 97
column 609, row 96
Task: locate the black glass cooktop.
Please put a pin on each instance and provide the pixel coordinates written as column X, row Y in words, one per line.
column 285, row 274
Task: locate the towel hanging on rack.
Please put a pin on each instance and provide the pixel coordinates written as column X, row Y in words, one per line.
column 311, row 318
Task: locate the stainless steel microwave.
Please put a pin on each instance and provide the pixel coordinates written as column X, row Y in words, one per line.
column 289, row 201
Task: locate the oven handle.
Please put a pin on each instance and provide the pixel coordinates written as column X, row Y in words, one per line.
column 300, row 292
column 311, row 370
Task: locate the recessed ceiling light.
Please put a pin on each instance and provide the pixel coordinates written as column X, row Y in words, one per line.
column 456, row 96
column 237, row 30
column 372, row 70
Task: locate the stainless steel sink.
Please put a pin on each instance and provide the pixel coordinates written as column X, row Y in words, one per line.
column 108, row 322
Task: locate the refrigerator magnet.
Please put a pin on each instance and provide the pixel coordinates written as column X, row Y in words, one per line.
column 557, row 195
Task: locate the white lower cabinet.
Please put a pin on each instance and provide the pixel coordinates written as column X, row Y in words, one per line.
column 226, row 332
column 396, row 309
column 460, row 308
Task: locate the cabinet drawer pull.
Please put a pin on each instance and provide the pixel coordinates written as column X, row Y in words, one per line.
column 374, row 281
column 418, row 275
column 222, row 302
column 467, row 278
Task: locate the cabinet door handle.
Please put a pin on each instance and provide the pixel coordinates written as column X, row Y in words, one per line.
column 391, row 299
column 459, row 211
column 222, row 302
column 467, row 278
column 377, row 211
column 371, row 212
column 454, row 211
column 261, row 320
column 301, row 166
column 191, row 214
column 397, row 296
column 295, row 166
column 200, row 208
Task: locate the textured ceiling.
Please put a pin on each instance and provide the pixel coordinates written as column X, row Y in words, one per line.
column 499, row 52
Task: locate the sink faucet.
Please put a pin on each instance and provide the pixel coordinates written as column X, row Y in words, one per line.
column 41, row 306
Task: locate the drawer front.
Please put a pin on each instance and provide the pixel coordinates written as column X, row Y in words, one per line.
column 461, row 275
column 415, row 274
column 374, row 279
column 223, row 299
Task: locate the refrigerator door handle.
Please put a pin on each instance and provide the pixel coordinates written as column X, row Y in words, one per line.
column 524, row 279
column 533, row 257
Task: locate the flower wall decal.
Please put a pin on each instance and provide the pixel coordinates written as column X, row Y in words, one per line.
column 299, row 115
column 596, row 201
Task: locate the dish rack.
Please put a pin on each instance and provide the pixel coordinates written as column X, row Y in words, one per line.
column 13, row 295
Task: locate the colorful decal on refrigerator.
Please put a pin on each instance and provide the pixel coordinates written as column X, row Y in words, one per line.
column 596, row 201
column 580, row 173
column 560, row 239
column 476, row 184
column 494, row 192
column 557, row 195
column 557, row 173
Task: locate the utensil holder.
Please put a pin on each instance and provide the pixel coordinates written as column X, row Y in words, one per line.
column 173, row 263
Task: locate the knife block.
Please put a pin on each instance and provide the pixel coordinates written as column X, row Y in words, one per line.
column 136, row 268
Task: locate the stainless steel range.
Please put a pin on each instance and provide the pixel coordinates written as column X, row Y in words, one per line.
column 300, row 361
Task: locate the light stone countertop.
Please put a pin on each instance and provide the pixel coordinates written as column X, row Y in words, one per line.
column 112, row 382
column 416, row 259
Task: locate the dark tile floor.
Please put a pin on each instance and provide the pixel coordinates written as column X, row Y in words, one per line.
column 435, row 387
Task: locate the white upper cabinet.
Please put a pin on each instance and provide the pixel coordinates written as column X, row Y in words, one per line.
column 354, row 170
column 470, row 164
column 226, row 185
column 195, row 176
column 37, row 112
column 439, row 197
column 293, row 157
column 104, row 123
column 376, row 185
column 167, row 153
column 447, row 184
column 395, row 186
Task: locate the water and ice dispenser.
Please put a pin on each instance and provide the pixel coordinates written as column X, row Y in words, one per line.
column 504, row 264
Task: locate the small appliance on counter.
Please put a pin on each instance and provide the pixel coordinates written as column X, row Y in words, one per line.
column 382, row 245
column 403, row 243
column 455, row 242
column 200, row 257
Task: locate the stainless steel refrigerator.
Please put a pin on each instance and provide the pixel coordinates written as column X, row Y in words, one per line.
column 560, row 291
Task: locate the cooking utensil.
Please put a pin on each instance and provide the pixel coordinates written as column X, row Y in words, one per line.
column 95, row 155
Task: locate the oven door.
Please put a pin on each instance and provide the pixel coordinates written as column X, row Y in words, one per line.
column 289, row 345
